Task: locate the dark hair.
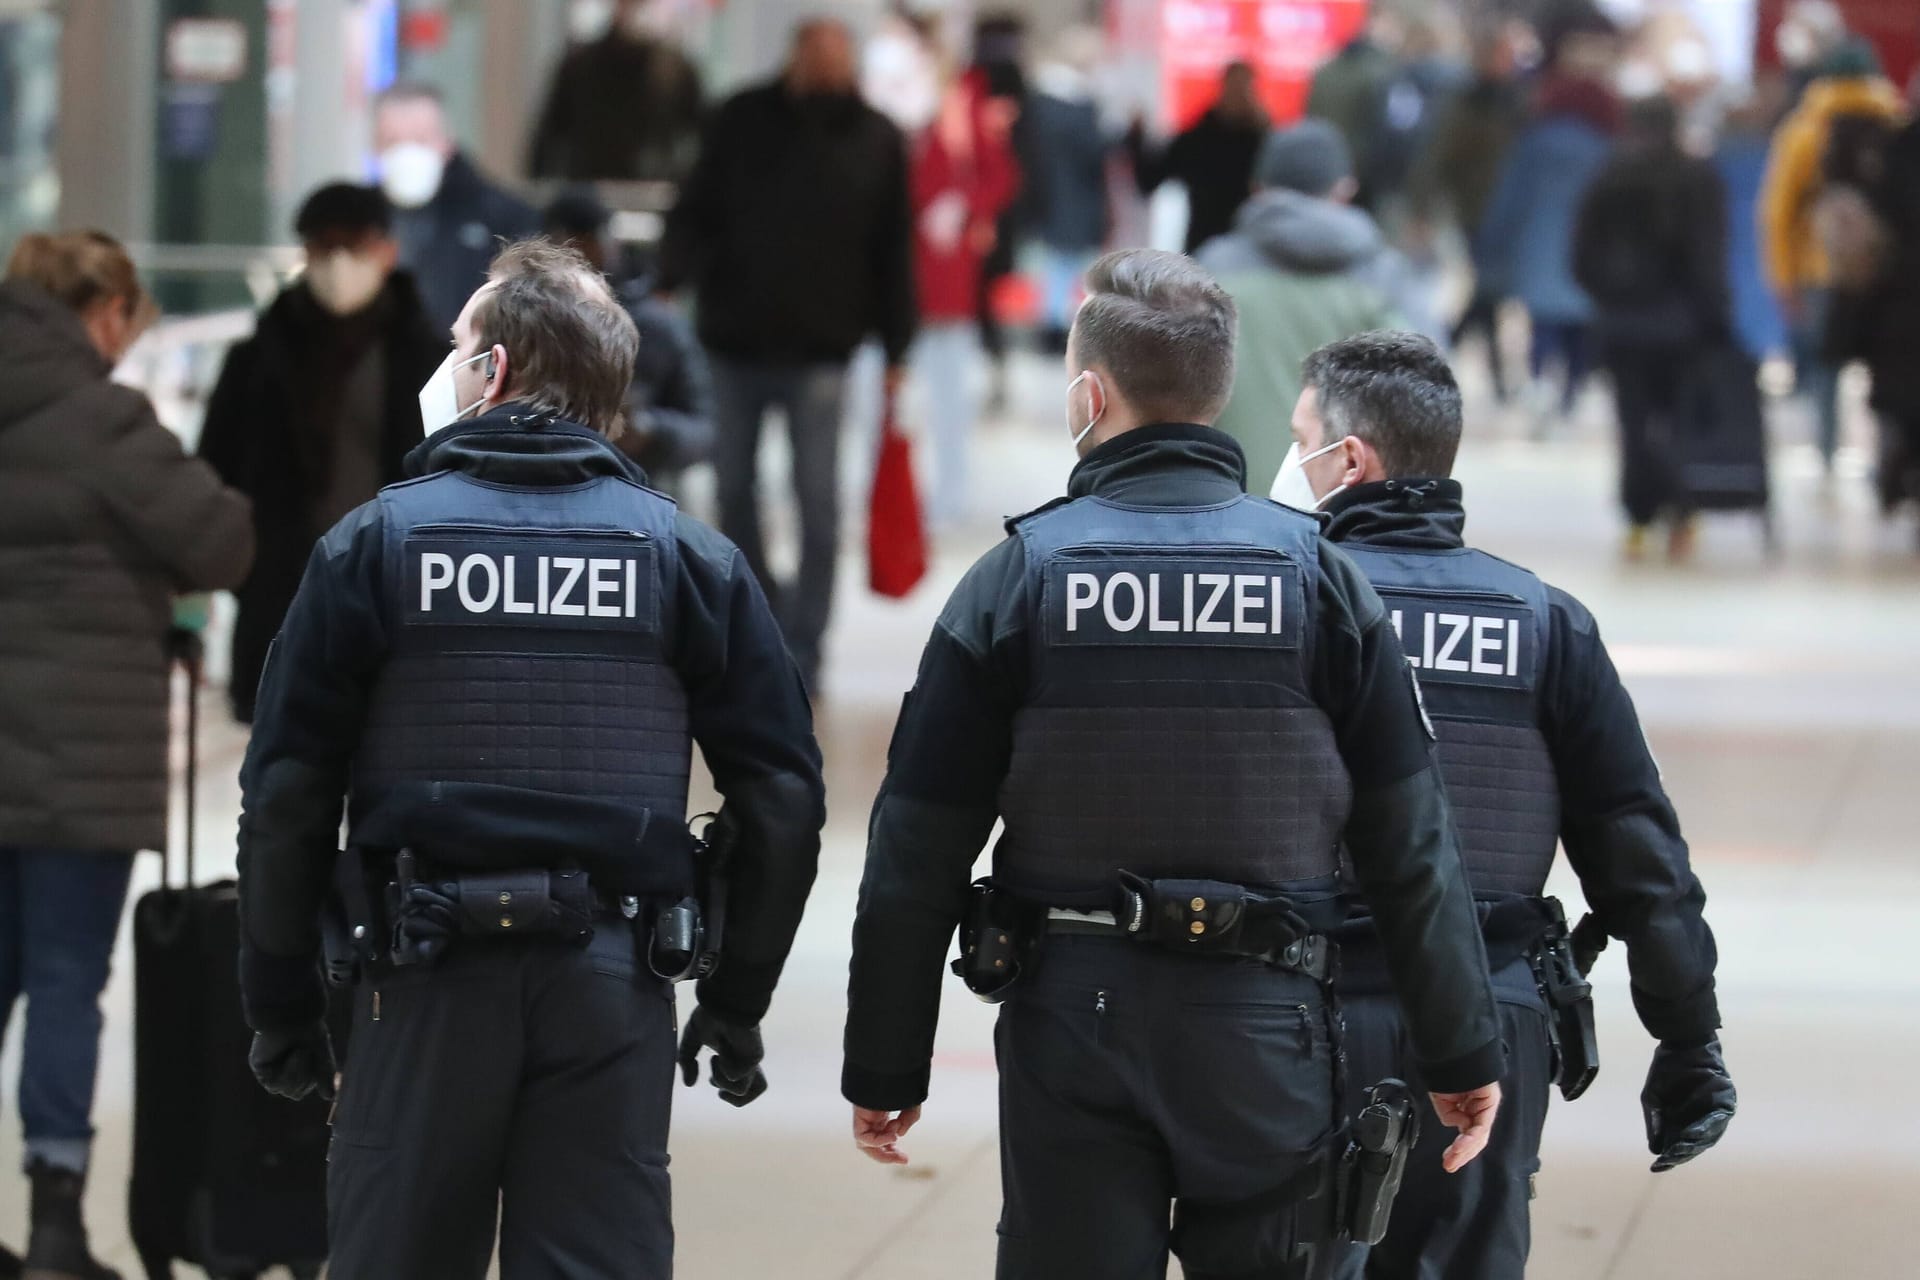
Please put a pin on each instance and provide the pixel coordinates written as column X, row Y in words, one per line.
column 575, row 213
column 570, row 343
column 344, row 206
column 1162, row 331
column 1395, row 391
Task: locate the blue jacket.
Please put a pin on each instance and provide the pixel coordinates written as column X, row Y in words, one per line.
column 1525, row 245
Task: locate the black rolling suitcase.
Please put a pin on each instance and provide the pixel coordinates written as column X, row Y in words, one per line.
column 1720, row 447
column 225, row 1175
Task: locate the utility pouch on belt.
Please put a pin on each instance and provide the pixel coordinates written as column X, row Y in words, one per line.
column 1225, row 919
column 997, row 942
column 712, row 856
column 1569, row 997
column 496, row 904
column 1383, row 1133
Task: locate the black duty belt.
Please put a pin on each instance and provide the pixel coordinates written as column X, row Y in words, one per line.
column 1311, row 955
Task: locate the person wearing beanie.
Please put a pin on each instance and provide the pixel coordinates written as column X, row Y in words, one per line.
column 1306, row 268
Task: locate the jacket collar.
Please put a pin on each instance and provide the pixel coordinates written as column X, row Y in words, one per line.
column 1173, row 464
column 517, row 445
column 1414, row 514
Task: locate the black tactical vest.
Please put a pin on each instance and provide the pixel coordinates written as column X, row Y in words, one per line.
column 1475, row 632
column 528, row 713
column 1169, row 728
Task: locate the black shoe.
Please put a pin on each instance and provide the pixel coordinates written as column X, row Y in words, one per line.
column 57, row 1246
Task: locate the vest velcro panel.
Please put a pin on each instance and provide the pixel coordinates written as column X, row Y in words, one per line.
column 1505, row 801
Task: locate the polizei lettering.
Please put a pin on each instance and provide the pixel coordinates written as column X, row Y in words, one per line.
column 536, row 581
column 1465, row 641
column 1174, row 601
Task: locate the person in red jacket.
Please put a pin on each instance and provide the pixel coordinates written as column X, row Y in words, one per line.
column 962, row 175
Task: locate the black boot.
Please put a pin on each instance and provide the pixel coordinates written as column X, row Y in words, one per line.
column 57, row 1247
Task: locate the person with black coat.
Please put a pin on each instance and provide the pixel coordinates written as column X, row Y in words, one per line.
column 1540, row 749
column 1213, row 158
column 104, row 521
column 623, row 108
column 1650, row 249
column 670, row 404
column 795, row 233
column 316, row 411
column 450, row 218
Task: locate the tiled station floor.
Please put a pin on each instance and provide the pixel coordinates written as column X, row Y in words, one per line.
column 1783, row 701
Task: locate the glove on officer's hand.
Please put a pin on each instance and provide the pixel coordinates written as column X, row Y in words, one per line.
column 429, row 919
column 294, row 1064
column 1688, row 1101
column 737, row 1051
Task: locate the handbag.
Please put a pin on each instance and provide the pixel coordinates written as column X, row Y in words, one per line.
column 896, row 527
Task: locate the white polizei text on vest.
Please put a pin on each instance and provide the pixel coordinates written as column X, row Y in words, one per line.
column 1494, row 646
column 563, row 586
column 1252, row 603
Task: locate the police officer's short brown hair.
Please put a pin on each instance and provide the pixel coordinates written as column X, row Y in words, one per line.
column 1163, row 331
column 570, row 344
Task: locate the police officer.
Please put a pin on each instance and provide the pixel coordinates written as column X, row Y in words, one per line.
column 502, row 665
column 1539, row 744
column 1177, row 698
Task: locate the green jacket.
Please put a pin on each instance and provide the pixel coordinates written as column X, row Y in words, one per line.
column 1303, row 272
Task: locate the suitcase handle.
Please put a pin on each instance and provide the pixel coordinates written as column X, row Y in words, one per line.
column 186, row 651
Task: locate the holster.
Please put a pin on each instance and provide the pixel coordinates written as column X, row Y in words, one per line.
column 999, row 937
column 1569, row 997
column 537, row 902
column 1221, row 918
column 349, row 930
column 1384, row 1133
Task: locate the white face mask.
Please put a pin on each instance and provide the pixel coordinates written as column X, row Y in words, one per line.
column 1291, row 486
column 440, row 399
column 1081, row 434
column 345, row 282
column 410, row 173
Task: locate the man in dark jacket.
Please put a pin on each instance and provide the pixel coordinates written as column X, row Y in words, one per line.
column 625, row 108
column 450, row 219
column 102, row 520
column 1539, row 744
column 1066, row 178
column 518, row 731
column 1174, row 785
column 1650, row 249
column 670, row 405
column 795, row 232
column 1213, row 159
column 317, row 410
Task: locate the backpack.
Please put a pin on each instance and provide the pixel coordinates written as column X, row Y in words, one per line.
column 1847, row 221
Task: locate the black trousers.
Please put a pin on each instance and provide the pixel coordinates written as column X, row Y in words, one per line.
column 1647, row 385
column 1471, row 1225
column 1151, row 1102
column 525, row 1084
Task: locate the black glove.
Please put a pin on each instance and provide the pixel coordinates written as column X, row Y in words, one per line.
column 429, row 920
column 294, row 1064
column 737, row 1052
column 1588, row 940
column 1688, row 1101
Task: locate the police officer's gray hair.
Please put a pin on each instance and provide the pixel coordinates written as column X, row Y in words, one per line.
column 570, row 344
column 1162, row 330
column 1395, row 391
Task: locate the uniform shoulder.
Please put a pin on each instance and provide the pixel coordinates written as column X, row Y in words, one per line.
column 354, row 529
column 703, row 542
column 1014, row 523
column 1579, row 619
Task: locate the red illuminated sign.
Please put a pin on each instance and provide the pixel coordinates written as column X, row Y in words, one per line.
column 1287, row 40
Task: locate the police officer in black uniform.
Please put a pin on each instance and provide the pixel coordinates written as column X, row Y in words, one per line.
column 501, row 665
column 1539, row 744
column 1178, row 698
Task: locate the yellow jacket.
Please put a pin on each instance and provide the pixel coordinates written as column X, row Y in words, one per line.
column 1794, row 258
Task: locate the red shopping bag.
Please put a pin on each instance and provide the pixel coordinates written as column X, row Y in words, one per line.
column 896, row 531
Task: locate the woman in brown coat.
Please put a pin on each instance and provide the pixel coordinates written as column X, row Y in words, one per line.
column 103, row 519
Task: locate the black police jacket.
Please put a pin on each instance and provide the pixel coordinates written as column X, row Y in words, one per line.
column 1616, row 823
column 952, row 751
column 532, row 711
